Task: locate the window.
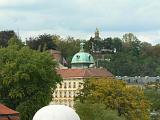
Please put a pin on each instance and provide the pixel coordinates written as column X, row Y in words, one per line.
column 69, row 85
column 60, row 94
column 80, row 85
column 74, row 84
column 69, row 94
column 78, row 56
column 60, row 101
column 74, row 93
column 65, row 85
column 65, row 93
column 60, row 85
column 56, row 94
column 70, row 105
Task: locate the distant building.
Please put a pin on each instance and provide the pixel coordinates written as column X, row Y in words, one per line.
column 139, row 80
column 94, row 47
column 83, row 66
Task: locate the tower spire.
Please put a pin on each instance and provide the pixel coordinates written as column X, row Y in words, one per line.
column 97, row 33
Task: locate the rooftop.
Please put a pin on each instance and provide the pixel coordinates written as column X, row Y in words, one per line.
column 84, row 73
column 6, row 113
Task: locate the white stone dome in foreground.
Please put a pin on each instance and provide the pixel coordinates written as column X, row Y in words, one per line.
column 56, row 112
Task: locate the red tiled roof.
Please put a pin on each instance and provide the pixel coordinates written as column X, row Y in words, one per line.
column 84, row 73
column 6, row 111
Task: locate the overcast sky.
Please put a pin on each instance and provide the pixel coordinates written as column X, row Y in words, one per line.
column 79, row 18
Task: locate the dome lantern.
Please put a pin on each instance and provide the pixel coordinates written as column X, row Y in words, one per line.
column 82, row 47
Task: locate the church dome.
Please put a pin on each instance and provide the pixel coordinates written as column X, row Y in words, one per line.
column 82, row 59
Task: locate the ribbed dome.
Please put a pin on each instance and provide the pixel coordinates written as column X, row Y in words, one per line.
column 83, row 57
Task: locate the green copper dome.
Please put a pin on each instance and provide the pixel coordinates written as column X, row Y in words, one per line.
column 82, row 59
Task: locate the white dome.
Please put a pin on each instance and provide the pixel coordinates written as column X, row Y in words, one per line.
column 56, row 112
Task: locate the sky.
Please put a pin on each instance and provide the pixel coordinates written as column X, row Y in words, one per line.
column 79, row 18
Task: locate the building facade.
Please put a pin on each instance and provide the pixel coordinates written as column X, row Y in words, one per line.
column 83, row 67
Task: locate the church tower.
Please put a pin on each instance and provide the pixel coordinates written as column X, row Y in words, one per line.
column 97, row 37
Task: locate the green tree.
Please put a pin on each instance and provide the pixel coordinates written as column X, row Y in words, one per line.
column 68, row 48
column 41, row 43
column 131, row 44
column 152, row 93
column 27, row 79
column 108, row 43
column 134, row 58
column 116, row 95
column 117, row 44
column 5, row 36
column 124, row 64
column 96, row 111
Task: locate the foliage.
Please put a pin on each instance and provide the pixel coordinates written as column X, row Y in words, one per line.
column 41, row 43
column 108, row 43
column 132, row 58
column 68, row 48
column 115, row 94
column 27, row 79
column 152, row 93
column 5, row 36
column 96, row 111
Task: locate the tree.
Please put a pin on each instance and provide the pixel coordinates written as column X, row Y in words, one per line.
column 117, row 44
column 131, row 44
column 116, row 95
column 96, row 111
column 108, row 43
column 5, row 36
column 133, row 57
column 41, row 43
column 152, row 93
column 124, row 64
column 27, row 79
column 68, row 48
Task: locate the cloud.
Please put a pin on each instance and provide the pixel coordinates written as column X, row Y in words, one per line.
column 150, row 37
column 4, row 3
column 82, row 16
